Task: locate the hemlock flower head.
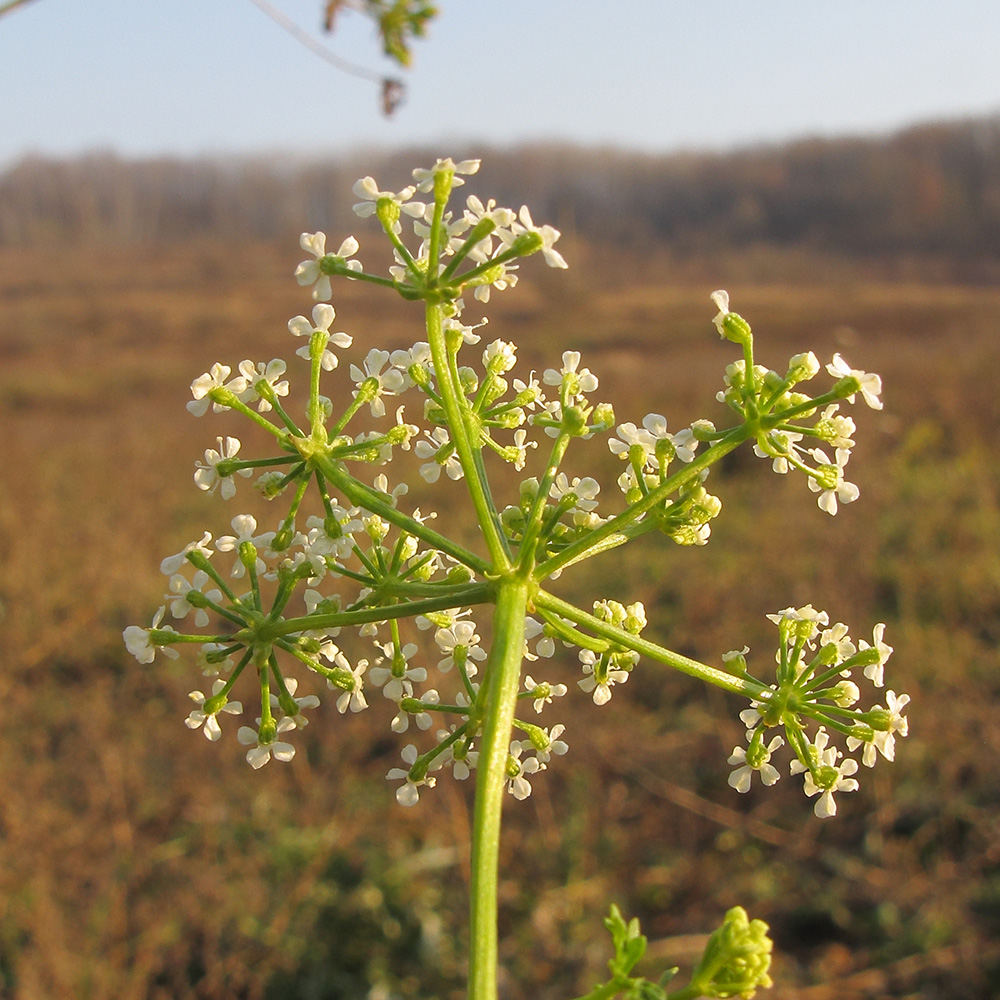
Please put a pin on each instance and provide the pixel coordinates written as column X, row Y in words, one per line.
column 547, row 234
column 386, row 383
column 578, row 383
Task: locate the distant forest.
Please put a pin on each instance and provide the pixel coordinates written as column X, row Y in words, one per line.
column 931, row 190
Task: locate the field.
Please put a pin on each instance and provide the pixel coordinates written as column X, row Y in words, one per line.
column 139, row 862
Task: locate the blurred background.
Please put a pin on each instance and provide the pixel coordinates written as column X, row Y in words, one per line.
column 837, row 169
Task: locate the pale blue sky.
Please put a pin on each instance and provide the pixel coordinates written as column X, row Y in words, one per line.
column 216, row 76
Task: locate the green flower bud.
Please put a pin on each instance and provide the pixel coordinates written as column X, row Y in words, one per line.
column 603, row 417
column 735, row 328
column 248, row 553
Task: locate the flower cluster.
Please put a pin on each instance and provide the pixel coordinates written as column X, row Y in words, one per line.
column 816, row 662
column 329, row 588
column 792, row 428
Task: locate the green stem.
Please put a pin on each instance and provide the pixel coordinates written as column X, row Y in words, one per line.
column 616, row 525
column 455, row 409
column 503, row 677
column 747, row 686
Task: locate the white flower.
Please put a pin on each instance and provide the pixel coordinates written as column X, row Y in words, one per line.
column 260, row 372
column 309, row 272
column 554, row 746
column 721, row 299
column 584, row 491
column 215, row 378
column 837, row 637
column 260, row 753
column 601, row 689
column 367, row 190
column 206, row 473
column 401, row 722
column 874, row 671
column 828, row 480
column 355, row 698
column 628, row 436
column 397, row 686
column 684, row 442
column 387, row 383
column 458, row 638
column 431, row 448
column 180, row 588
column 198, row 716
column 322, row 316
column 299, row 721
column 542, row 692
column 740, row 778
column 171, row 564
column 244, row 525
column 425, row 178
column 804, row 621
column 885, row 741
column 139, row 641
column 578, row 382
column 213, row 667
column 517, row 769
column 779, row 446
column 834, row 777
column 871, row 384
column 834, row 429
column 409, row 792
column 547, row 234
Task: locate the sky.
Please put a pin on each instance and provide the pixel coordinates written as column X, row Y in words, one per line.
column 191, row 77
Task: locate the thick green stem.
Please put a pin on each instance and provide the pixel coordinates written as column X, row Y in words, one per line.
column 455, row 407
column 503, row 677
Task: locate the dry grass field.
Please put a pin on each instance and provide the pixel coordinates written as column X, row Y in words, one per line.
column 139, row 862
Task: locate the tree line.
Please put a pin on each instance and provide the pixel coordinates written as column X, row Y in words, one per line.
column 931, row 189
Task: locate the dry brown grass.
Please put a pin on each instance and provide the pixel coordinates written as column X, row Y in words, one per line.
column 137, row 861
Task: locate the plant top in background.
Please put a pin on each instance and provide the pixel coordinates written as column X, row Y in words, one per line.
column 355, row 588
